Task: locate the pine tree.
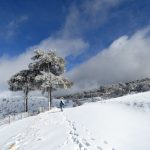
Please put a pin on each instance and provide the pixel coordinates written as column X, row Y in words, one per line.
column 24, row 81
column 51, row 67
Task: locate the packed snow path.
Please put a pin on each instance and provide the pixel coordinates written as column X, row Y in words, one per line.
column 93, row 126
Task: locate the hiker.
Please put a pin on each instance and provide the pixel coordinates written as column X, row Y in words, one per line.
column 62, row 104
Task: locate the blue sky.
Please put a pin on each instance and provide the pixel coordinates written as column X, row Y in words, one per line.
column 26, row 23
column 29, row 21
column 84, row 32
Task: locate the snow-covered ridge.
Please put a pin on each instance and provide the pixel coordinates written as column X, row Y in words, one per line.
column 114, row 90
column 139, row 101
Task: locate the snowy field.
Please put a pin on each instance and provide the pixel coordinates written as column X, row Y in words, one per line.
column 115, row 124
column 13, row 103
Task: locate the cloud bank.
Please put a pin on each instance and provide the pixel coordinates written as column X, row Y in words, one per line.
column 64, row 47
column 67, row 41
column 127, row 58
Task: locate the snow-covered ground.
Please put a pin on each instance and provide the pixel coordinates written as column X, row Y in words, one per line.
column 106, row 125
column 13, row 103
column 140, row 101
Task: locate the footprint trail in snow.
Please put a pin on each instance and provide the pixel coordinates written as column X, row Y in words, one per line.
column 87, row 142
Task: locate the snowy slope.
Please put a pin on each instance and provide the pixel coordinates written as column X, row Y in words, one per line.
column 13, row 103
column 140, row 101
column 109, row 125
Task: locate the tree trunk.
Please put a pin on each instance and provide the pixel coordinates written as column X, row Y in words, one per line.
column 50, row 91
column 50, row 98
column 26, row 100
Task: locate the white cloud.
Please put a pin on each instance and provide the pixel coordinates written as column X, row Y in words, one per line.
column 9, row 66
column 88, row 15
column 64, row 47
column 67, row 41
column 127, row 58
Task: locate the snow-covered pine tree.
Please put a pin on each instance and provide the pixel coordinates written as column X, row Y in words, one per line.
column 47, row 62
column 51, row 67
column 24, row 81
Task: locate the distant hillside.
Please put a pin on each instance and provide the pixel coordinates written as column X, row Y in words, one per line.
column 15, row 104
column 114, row 90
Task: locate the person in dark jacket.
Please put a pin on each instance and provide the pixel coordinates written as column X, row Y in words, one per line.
column 62, row 104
